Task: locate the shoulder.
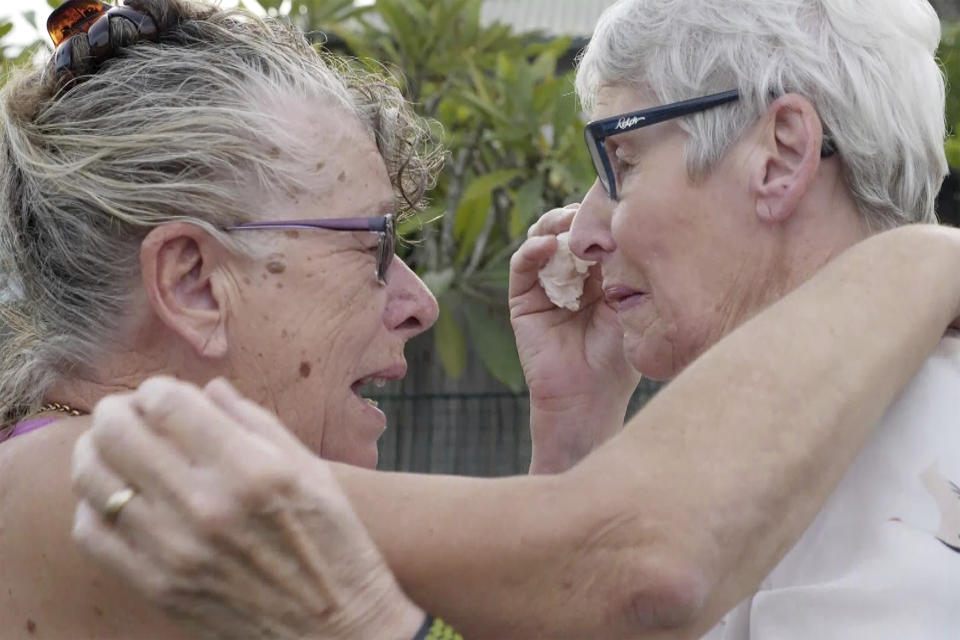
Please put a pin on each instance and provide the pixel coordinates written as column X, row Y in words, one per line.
column 50, row 589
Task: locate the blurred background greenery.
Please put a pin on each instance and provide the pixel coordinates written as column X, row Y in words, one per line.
column 501, row 97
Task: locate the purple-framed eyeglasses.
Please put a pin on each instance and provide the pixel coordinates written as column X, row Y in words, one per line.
column 383, row 225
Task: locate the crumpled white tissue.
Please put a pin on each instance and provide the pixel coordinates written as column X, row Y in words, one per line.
column 563, row 276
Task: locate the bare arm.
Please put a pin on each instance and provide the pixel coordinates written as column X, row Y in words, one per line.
column 655, row 534
column 681, row 515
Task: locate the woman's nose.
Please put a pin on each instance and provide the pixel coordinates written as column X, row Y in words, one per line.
column 590, row 237
column 411, row 308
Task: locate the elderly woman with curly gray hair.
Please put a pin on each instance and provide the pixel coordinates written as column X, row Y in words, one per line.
column 197, row 193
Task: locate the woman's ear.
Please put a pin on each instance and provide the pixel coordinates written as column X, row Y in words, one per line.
column 791, row 136
column 179, row 265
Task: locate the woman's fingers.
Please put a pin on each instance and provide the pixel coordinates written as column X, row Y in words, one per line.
column 96, row 484
column 525, row 266
column 106, row 544
column 183, row 415
column 125, row 445
column 554, row 222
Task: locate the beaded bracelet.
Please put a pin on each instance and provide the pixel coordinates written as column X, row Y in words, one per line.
column 436, row 629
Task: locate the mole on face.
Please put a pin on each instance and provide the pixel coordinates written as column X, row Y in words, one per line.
column 275, row 266
column 342, row 176
column 292, row 233
column 31, row 626
column 304, row 369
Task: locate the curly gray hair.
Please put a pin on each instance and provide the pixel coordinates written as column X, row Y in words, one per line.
column 96, row 155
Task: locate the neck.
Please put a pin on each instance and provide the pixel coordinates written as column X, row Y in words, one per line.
column 825, row 225
column 123, row 370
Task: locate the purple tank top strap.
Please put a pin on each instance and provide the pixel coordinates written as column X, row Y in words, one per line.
column 30, row 425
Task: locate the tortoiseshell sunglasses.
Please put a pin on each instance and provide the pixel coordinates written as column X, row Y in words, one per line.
column 93, row 18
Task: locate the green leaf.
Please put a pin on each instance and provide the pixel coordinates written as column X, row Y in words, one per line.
column 5, row 28
column 485, row 184
column 270, row 6
column 439, row 281
column 470, row 220
column 952, row 148
column 486, row 107
column 527, row 205
column 471, row 216
column 449, row 342
column 492, row 340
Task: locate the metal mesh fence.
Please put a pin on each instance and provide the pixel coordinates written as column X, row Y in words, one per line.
column 477, row 434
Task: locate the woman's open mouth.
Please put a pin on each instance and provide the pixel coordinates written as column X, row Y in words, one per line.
column 368, row 386
column 374, row 383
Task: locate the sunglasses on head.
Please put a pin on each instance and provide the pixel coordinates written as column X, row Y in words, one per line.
column 93, row 18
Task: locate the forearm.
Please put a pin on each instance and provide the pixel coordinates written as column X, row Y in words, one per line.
column 733, row 478
column 564, row 433
column 679, row 516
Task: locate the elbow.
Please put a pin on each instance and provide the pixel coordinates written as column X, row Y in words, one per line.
column 662, row 594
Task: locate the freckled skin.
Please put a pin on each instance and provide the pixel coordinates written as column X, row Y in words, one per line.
column 331, row 324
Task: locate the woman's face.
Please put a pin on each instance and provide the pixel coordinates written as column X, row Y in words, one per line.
column 311, row 329
column 683, row 263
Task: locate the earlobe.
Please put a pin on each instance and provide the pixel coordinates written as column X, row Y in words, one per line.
column 178, row 265
column 791, row 135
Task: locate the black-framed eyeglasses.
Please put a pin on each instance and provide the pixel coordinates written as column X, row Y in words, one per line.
column 384, row 225
column 596, row 132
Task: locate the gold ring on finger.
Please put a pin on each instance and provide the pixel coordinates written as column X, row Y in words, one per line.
column 116, row 502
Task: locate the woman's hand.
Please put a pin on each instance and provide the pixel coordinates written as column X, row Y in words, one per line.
column 579, row 380
column 235, row 527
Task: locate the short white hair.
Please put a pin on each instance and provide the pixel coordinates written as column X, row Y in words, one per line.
column 868, row 66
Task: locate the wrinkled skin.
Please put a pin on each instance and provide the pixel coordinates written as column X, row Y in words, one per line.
column 240, row 495
column 574, row 363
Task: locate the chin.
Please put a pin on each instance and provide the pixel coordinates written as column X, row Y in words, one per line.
column 653, row 359
column 366, row 458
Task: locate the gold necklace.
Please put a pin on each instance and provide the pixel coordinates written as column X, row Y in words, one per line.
column 62, row 408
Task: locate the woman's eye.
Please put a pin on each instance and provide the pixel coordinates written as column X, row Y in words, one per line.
column 624, row 166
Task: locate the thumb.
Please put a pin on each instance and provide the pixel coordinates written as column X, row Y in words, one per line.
column 526, row 263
